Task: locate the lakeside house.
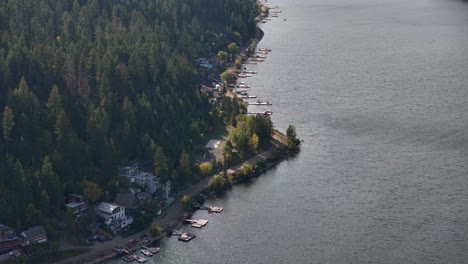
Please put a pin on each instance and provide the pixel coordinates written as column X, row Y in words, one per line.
column 143, row 179
column 8, row 239
column 37, row 234
column 114, row 215
column 76, row 205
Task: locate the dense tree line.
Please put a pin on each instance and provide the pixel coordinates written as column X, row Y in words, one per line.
column 86, row 85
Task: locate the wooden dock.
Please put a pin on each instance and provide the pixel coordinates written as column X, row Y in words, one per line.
column 266, row 112
column 214, row 209
column 258, row 102
column 197, row 223
column 186, row 237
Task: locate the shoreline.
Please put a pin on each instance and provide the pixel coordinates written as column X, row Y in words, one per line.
column 173, row 215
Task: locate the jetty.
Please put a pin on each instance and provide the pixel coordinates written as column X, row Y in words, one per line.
column 197, row 223
column 266, row 112
column 258, row 102
column 152, row 250
column 186, row 237
column 146, row 252
column 242, row 91
column 128, row 258
column 258, row 59
column 249, row 72
column 244, row 75
column 141, row 259
column 214, row 209
column 248, row 96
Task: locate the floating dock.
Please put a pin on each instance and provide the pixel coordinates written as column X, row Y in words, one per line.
column 197, row 223
column 141, row 259
column 258, row 60
column 186, row 237
column 214, row 209
column 127, row 258
column 244, row 75
column 248, row 96
column 266, row 112
column 146, row 252
column 152, row 250
column 258, row 102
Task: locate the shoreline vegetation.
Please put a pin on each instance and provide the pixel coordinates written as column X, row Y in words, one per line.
column 280, row 147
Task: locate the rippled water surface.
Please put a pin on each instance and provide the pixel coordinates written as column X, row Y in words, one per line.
column 378, row 91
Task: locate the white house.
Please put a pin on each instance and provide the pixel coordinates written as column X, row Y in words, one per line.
column 144, row 179
column 114, row 215
column 36, row 234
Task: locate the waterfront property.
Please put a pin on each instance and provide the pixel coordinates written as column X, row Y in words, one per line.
column 33, row 235
column 143, row 179
column 76, row 204
column 114, row 215
column 8, row 239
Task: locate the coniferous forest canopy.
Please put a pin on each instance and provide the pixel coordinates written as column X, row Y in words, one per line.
column 86, row 85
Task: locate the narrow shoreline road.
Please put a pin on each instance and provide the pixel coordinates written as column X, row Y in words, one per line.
column 173, row 215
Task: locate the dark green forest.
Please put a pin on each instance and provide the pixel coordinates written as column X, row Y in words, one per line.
column 87, row 85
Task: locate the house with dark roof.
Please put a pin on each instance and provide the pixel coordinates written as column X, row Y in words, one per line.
column 8, row 239
column 37, row 234
column 76, row 204
column 128, row 201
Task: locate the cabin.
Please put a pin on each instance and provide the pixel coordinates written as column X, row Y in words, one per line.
column 37, row 234
column 76, row 204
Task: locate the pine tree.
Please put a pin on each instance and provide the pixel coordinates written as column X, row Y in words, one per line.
column 161, row 169
column 7, row 123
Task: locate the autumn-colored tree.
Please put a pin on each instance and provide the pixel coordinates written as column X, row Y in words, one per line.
column 92, row 192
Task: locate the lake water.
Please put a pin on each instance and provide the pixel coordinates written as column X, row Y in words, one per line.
column 378, row 91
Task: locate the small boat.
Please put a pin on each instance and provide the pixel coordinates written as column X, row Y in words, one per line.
column 248, row 96
column 146, row 252
column 264, row 49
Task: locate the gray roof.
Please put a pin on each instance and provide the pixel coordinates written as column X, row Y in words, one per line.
column 127, row 200
column 143, row 195
column 107, row 207
column 34, row 232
